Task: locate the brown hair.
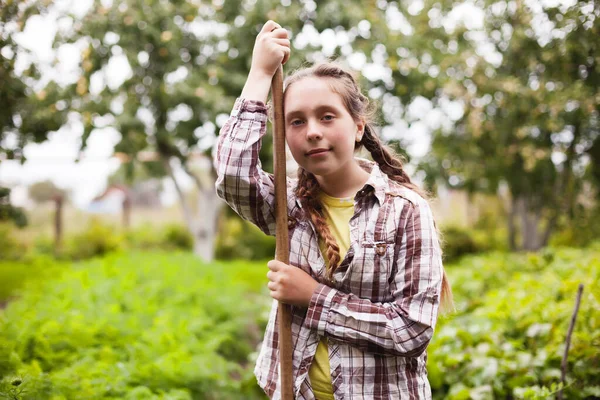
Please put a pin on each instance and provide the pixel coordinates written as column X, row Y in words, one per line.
column 359, row 107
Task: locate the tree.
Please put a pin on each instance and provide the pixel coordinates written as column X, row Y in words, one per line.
column 531, row 113
column 9, row 212
column 166, row 94
column 187, row 63
column 42, row 192
column 27, row 113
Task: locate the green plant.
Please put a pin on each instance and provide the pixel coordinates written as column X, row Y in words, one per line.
column 580, row 231
column 10, row 247
column 96, row 240
column 240, row 239
column 147, row 326
column 507, row 337
column 457, row 242
column 178, row 237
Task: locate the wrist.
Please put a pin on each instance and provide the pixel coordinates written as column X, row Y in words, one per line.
column 257, row 86
column 310, row 292
column 259, row 75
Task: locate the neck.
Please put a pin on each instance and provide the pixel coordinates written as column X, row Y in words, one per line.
column 345, row 182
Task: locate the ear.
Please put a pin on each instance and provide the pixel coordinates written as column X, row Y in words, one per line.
column 360, row 130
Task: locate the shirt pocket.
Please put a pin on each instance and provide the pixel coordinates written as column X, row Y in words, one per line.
column 368, row 275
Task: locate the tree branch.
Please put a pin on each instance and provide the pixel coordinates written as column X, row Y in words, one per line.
column 563, row 364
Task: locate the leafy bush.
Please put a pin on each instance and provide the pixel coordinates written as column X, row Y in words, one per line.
column 167, row 326
column 178, row 237
column 507, row 338
column 240, row 239
column 10, row 247
column 15, row 275
column 169, row 237
column 582, row 230
column 139, row 326
column 457, row 242
column 97, row 239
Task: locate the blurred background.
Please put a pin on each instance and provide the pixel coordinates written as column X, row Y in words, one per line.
column 122, row 275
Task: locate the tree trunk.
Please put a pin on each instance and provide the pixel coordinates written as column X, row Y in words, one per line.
column 549, row 229
column 126, row 212
column 185, row 207
column 530, row 219
column 204, row 240
column 203, row 224
column 209, row 206
column 512, row 230
column 58, row 225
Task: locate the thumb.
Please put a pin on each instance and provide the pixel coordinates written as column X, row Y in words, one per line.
column 269, row 26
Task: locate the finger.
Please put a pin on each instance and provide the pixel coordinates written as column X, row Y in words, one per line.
column 274, row 265
column 271, row 275
column 274, row 294
column 269, row 26
column 286, row 55
column 280, row 33
column 282, row 42
column 272, row 285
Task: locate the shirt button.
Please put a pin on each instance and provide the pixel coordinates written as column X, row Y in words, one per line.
column 381, row 249
column 291, row 222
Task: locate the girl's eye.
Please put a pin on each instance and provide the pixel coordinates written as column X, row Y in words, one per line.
column 296, row 122
column 328, row 117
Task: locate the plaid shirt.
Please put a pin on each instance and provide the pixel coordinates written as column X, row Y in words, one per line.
column 380, row 311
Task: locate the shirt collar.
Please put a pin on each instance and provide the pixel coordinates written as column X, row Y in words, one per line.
column 378, row 180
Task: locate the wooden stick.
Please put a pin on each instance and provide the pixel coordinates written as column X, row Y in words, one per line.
column 563, row 364
column 282, row 252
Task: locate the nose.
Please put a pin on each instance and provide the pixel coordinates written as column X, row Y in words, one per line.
column 313, row 131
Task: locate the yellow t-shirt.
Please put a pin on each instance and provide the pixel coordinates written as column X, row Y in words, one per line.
column 337, row 213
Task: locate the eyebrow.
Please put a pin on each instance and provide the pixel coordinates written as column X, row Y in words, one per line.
column 320, row 108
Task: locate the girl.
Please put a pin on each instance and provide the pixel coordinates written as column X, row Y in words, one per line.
column 365, row 273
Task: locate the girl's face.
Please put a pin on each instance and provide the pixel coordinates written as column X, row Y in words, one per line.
column 320, row 132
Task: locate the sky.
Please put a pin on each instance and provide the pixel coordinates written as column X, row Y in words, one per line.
column 54, row 159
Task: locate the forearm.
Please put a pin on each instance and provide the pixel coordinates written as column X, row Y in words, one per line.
column 257, row 87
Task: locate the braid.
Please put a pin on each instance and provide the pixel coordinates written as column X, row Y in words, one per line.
column 307, row 192
column 389, row 162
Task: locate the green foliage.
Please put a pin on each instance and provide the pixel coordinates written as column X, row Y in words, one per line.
column 530, row 113
column 579, row 231
column 14, row 275
column 45, row 191
column 162, row 325
column 239, row 239
column 10, row 213
column 10, row 247
column 179, row 237
column 169, row 237
column 96, row 240
column 145, row 237
column 138, row 326
column 457, row 242
column 24, row 113
column 507, row 338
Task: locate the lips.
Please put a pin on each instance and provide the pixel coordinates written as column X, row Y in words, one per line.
column 317, row 151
